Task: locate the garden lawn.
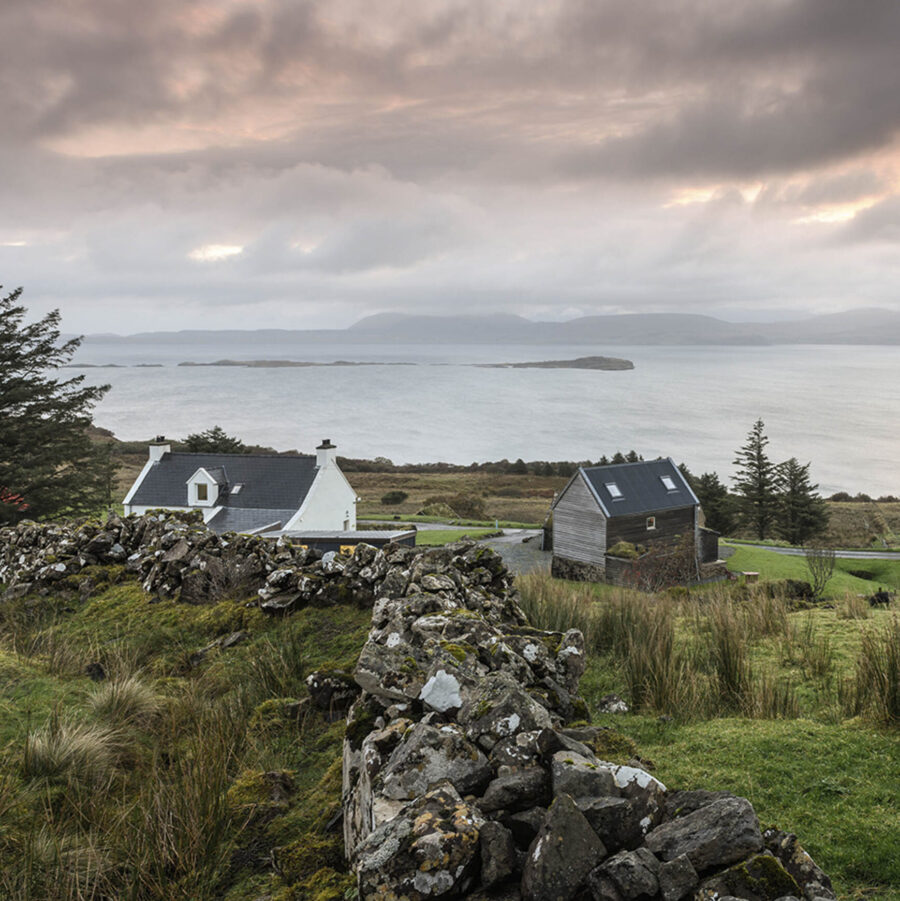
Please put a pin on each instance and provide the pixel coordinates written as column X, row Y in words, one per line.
column 433, row 537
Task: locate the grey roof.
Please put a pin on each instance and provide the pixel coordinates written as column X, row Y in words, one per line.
column 641, row 487
column 361, row 535
column 231, row 519
column 270, row 482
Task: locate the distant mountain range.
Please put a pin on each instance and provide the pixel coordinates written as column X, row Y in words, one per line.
column 868, row 326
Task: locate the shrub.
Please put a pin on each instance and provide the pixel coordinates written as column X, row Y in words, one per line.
column 625, row 550
column 464, row 506
column 393, row 497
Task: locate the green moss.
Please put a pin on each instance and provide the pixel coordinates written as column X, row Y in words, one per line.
column 482, row 708
column 614, row 746
column 763, row 876
column 459, row 650
column 363, row 722
column 301, row 859
column 325, row 885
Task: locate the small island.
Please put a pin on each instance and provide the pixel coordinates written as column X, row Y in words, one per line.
column 607, row 363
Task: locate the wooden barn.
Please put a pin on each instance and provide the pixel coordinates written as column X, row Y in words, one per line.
column 648, row 504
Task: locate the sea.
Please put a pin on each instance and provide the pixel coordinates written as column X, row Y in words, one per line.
column 837, row 407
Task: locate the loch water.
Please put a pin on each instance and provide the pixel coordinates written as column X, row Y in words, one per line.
column 837, row 406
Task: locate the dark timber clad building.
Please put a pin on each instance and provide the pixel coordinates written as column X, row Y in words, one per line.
column 648, row 503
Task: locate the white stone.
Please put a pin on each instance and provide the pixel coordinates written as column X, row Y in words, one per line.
column 441, row 692
column 393, row 640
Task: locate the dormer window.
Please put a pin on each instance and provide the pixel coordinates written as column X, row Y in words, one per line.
column 202, row 491
column 614, row 491
column 668, row 483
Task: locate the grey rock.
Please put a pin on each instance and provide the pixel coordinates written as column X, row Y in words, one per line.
column 677, row 878
column 613, row 820
column 525, row 824
column 498, row 854
column 809, row 876
column 634, row 873
column 429, row 849
column 680, row 803
column 518, row 790
column 580, row 777
column 428, row 755
column 564, row 852
column 611, row 703
column 716, row 835
column 759, row 878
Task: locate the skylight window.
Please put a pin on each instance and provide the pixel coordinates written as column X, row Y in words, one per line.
column 668, row 483
column 237, row 488
column 613, row 490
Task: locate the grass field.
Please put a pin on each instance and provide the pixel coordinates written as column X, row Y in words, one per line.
column 433, row 537
column 771, row 565
column 729, row 688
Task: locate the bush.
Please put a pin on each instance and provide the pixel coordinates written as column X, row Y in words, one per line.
column 464, row 506
column 625, row 550
column 393, row 497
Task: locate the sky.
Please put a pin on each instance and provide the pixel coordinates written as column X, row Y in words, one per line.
column 177, row 164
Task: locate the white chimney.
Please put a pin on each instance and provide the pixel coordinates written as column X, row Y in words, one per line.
column 325, row 453
column 159, row 447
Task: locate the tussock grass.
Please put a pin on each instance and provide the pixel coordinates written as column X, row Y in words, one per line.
column 125, row 701
column 876, row 686
column 852, row 606
column 66, row 750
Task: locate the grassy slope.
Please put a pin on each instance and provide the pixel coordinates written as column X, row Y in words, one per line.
column 771, row 565
column 228, row 696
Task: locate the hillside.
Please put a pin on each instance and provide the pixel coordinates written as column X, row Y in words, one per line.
column 160, row 730
column 853, row 327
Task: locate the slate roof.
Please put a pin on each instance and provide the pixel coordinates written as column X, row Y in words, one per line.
column 231, row 519
column 270, row 482
column 641, row 487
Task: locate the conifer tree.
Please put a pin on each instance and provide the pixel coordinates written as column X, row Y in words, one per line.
column 717, row 504
column 756, row 483
column 801, row 511
column 214, row 441
column 48, row 464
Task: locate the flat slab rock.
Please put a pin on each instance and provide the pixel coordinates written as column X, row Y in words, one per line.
column 716, row 835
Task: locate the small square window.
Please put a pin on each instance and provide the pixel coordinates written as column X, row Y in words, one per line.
column 651, row 523
column 668, row 483
column 202, row 492
column 613, row 490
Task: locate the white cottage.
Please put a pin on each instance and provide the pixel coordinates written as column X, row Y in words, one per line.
column 248, row 492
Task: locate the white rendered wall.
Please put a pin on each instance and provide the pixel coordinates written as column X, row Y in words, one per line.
column 330, row 503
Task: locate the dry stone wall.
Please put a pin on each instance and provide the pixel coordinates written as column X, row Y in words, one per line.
column 465, row 775
column 468, row 768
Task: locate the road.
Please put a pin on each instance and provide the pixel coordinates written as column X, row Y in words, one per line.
column 843, row 555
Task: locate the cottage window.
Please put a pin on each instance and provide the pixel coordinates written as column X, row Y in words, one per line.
column 651, row 523
column 202, row 492
column 613, row 490
column 668, row 483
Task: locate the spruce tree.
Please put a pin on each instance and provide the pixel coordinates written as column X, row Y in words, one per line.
column 756, row 483
column 48, row 464
column 801, row 511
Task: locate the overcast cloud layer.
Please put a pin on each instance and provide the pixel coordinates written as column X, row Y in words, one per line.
column 278, row 163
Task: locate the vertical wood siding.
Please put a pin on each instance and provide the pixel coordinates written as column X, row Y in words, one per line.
column 670, row 524
column 579, row 526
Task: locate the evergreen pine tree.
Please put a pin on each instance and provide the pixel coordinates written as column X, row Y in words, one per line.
column 801, row 511
column 756, row 483
column 716, row 502
column 48, row 464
